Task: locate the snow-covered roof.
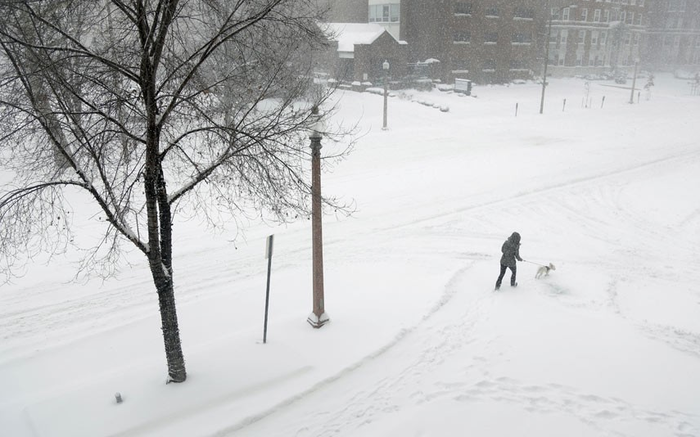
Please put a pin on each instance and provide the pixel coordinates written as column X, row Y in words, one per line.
column 349, row 34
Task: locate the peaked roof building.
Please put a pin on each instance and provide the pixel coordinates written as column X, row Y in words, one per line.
column 361, row 50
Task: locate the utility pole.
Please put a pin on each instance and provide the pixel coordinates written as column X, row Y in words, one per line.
column 385, row 67
column 634, row 80
column 546, row 55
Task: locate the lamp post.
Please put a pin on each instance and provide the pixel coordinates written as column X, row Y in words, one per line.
column 546, row 50
column 318, row 316
column 634, row 80
column 385, row 66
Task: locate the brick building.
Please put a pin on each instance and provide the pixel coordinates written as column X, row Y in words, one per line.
column 673, row 34
column 345, row 11
column 358, row 52
column 595, row 36
column 500, row 40
column 489, row 41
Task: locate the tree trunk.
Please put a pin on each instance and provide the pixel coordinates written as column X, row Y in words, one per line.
column 163, row 279
column 160, row 263
column 171, row 330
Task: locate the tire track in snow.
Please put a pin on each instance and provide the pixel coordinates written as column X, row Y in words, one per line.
column 380, row 395
column 364, row 405
column 420, row 380
column 525, row 195
column 603, row 414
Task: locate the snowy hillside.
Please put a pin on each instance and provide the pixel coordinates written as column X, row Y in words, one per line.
column 419, row 344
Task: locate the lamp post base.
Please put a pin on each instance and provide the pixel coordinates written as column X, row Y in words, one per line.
column 316, row 321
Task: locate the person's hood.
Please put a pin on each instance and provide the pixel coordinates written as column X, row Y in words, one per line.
column 515, row 238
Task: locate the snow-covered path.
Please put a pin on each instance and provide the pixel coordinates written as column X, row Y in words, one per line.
column 419, row 344
column 454, row 369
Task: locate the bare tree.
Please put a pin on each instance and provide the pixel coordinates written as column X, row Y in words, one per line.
column 137, row 103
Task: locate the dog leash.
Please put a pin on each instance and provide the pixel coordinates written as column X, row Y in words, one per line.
column 537, row 264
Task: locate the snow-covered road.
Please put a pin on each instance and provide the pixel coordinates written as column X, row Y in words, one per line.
column 419, row 344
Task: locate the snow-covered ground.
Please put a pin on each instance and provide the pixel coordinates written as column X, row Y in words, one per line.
column 419, row 344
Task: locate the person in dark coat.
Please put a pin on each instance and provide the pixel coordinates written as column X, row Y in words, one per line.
column 511, row 252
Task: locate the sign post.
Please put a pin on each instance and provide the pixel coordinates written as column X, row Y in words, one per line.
column 268, row 255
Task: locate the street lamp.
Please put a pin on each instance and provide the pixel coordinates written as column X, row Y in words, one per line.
column 318, row 316
column 385, row 66
column 634, row 80
column 546, row 49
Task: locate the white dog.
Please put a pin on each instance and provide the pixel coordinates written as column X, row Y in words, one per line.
column 544, row 270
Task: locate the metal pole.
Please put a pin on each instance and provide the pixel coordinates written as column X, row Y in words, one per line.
column 270, row 240
column 546, row 55
column 634, row 81
column 386, row 93
column 318, row 318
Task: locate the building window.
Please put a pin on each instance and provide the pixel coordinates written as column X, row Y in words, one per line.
column 460, row 65
column 606, row 16
column 462, row 37
column 584, row 14
column 492, row 11
column 603, row 37
column 518, row 64
column 596, row 15
column 564, row 34
column 491, row 37
column 489, row 65
column 386, row 13
column 521, row 12
column 594, row 38
column 565, row 14
column 463, row 8
column 639, row 19
column 581, row 36
column 554, row 37
column 521, row 38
